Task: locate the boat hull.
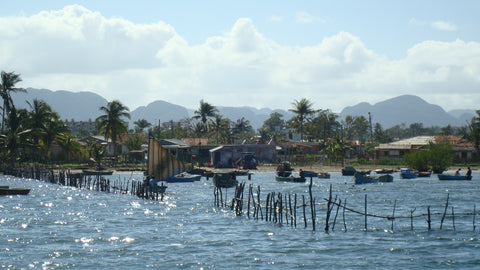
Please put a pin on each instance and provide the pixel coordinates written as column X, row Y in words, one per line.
column 453, row 177
column 183, row 179
column 290, row 179
column 14, row 191
column 366, row 179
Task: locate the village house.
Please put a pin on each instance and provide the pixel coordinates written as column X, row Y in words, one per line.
column 463, row 149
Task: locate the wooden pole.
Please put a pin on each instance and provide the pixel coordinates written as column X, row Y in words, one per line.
column 453, row 218
column 393, row 214
column 474, row 214
column 304, row 214
column 365, row 212
column 429, row 220
column 329, row 203
column 444, row 212
column 344, row 222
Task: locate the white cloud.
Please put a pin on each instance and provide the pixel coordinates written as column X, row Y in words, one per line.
column 305, row 17
column 79, row 50
column 276, row 18
column 444, row 26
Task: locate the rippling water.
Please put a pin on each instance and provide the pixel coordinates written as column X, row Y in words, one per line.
column 57, row 227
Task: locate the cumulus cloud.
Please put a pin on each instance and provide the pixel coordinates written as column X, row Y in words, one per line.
column 79, row 50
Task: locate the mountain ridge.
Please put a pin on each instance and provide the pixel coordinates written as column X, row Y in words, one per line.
column 405, row 109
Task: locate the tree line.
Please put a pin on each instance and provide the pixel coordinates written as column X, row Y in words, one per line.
column 28, row 134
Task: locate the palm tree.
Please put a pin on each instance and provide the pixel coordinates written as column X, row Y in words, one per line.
column 70, row 146
column 111, row 123
column 9, row 79
column 141, row 125
column 221, row 126
column 206, row 110
column 14, row 137
column 302, row 109
column 474, row 134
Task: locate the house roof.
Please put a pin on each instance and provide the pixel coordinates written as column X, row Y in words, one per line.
column 410, row 143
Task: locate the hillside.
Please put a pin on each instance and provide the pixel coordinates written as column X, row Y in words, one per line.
column 407, row 109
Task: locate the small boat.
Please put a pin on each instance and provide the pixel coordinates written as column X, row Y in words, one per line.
column 367, row 179
column 453, row 177
column 288, row 178
column 224, row 180
column 383, row 171
column 309, row 174
column 406, row 173
column 183, row 177
column 97, row 172
column 324, row 175
column 424, row 174
column 348, row 171
column 6, row 190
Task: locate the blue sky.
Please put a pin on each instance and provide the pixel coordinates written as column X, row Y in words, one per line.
column 247, row 53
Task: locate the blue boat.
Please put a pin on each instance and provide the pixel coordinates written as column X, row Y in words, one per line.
column 367, row 179
column 406, row 173
column 453, row 177
column 183, row 177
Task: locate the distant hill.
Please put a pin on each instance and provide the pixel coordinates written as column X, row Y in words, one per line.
column 407, row 109
column 80, row 106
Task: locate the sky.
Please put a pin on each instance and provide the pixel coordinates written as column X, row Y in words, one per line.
column 262, row 54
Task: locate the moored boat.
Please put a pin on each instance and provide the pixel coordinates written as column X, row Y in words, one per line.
column 183, row 177
column 406, row 173
column 224, row 180
column 324, row 175
column 383, row 171
column 289, row 178
column 424, row 174
column 6, row 190
column 97, row 172
column 367, row 179
column 348, row 171
column 453, row 177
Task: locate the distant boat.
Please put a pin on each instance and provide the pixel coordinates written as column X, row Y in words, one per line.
column 309, row 174
column 324, row 175
column 348, row 171
column 224, row 180
column 161, row 164
column 184, row 177
column 453, row 177
column 367, row 179
column 424, row 174
column 406, row 173
column 383, row 171
column 290, row 178
column 6, row 190
column 97, row 172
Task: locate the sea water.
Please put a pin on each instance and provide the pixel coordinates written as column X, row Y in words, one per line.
column 59, row 227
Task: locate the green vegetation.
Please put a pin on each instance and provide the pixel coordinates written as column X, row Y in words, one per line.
column 31, row 135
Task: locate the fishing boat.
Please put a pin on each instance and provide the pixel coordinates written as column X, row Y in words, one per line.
column 309, row 174
column 383, row 171
column 6, row 190
column 183, row 177
column 366, row 178
column 348, row 171
column 324, row 175
column 161, row 164
column 224, row 179
column 406, row 173
column 97, row 172
column 289, row 178
column 424, row 174
column 453, row 177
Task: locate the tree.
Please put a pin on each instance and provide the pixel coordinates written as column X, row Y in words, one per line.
column 474, row 131
column 221, row 126
column 302, row 109
column 379, row 135
column 14, row 137
column 111, row 123
column 204, row 112
column 70, row 146
column 141, row 125
column 274, row 122
column 9, row 79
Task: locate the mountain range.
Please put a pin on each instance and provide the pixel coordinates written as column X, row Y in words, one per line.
column 406, row 109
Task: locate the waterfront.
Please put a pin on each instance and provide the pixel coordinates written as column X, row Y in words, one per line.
column 58, row 227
